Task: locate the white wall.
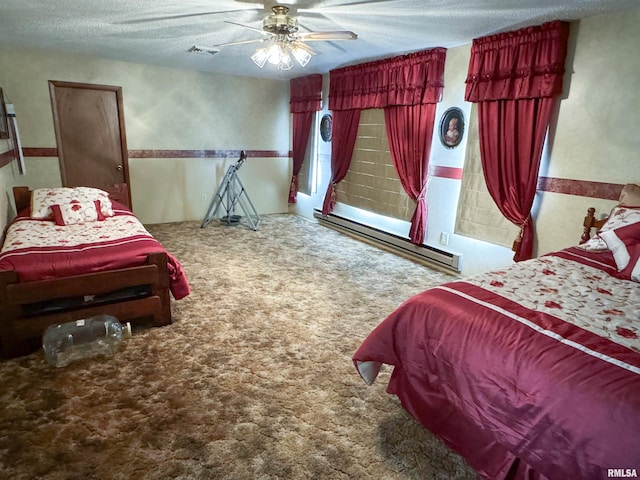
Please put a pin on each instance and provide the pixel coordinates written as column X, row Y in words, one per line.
column 163, row 109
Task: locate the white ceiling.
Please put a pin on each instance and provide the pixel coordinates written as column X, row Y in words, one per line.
column 159, row 32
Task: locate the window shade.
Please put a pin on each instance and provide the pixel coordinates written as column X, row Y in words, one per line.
column 372, row 183
column 478, row 216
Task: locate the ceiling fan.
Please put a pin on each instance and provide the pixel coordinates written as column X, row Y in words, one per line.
column 282, row 40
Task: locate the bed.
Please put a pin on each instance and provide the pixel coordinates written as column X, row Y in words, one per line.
column 74, row 253
column 533, row 371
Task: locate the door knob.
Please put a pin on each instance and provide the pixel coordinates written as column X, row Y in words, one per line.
column 119, row 168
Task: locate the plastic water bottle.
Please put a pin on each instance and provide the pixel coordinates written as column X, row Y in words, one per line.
column 81, row 339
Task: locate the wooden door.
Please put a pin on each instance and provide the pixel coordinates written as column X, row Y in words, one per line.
column 90, row 133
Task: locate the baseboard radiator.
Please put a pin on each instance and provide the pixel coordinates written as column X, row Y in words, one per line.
column 424, row 253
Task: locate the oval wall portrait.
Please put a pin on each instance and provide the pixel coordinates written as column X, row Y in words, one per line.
column 326, row 127
column 452, row 127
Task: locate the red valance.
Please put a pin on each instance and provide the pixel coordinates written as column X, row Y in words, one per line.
column 527, row 63
column 412, row 79
column 305, row 94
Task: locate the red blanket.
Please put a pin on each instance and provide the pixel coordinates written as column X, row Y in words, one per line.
column 533, row 369
column 40, row 249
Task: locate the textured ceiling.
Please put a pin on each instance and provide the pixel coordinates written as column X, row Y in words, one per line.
column 159, row 32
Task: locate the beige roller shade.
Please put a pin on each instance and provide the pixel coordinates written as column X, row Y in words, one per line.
column 478, row 216
column 372, row 183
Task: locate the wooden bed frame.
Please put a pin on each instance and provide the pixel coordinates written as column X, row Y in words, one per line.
column 590, row 223
column 20, row 332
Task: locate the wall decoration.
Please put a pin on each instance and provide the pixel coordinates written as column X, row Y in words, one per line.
column 4, row 127
column 326, row 126
column 452, row 127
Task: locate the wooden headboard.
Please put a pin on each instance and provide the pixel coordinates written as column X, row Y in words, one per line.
column 590, row 222
column 118, row 193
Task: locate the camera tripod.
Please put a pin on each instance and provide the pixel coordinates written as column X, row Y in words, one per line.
column 230, row 193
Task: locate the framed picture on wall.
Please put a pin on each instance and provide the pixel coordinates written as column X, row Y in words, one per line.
column 4, row 126
column 326, row 127
column 452, row 127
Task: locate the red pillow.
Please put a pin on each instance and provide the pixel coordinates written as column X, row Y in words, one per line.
column 624, row 243
column 632, row 270
column 77, row 213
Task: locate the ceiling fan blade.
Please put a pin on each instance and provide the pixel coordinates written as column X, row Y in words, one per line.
column 241, row 42
column 303, row 46
column 259, row 30
column 341, row 7
column 326, row 36
column 186, row 15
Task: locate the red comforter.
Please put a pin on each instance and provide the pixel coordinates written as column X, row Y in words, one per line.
column 530, row 372
column 40, row 249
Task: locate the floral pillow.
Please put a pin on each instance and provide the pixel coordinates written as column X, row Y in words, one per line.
column 43, row 198
column 620, row 216
column 624, row 243
column 77, row 212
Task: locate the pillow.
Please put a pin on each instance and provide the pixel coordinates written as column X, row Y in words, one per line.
column 632, row 271
column 77, row 212
column 618, row 217
column 43, row 198
column 619, row 240
column 630, row 195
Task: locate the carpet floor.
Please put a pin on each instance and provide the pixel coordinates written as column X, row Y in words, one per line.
column 253, row 380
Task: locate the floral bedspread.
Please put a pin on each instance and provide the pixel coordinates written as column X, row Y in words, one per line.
column 536, row 366
column 28, row 233
column 39, row 249
column 590, row 299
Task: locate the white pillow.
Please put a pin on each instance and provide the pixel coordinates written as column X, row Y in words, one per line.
column 624, row 243
column 43, row 198
column 77, row 213
column 619, row 217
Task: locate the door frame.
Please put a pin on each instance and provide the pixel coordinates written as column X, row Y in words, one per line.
column 121, row 125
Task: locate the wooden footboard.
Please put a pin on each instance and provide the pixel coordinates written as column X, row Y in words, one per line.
column 19, row 327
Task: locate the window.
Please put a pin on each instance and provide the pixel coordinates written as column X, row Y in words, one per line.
column 305, row 175
column 372, row 183
column 477, row 216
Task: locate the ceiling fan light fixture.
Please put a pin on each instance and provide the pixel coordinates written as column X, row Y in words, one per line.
column 260, row 56
column 285, row 62
column 279, row 53
column 301, row 56
column 279, row 22
column 280, row 32
column 275, row 52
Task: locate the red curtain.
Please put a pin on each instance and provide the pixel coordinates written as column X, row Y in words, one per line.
column 301, row 129
column 410, row 129
column 345, row 129
column 412, row 79
column 515, row 78
column 305, row 99
column 400, row 82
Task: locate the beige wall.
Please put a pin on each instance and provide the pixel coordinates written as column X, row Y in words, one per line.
column 163, row 109
column 596, row 137
column 593, row 138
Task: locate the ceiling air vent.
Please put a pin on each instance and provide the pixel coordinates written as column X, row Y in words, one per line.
column 202, row 50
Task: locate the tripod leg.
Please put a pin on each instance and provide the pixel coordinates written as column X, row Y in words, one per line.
column 218, row 197
column 232, row 190
column 252, row 217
